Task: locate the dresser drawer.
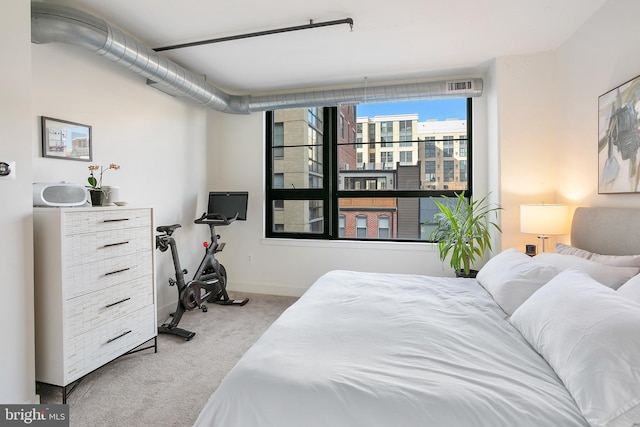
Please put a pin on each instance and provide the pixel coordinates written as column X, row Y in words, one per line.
column 93, row 349
column 90, row 247
column 93, row 276
column 93, row 310
column 105, row 220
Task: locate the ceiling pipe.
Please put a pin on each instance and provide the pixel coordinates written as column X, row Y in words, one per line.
column 56, row 23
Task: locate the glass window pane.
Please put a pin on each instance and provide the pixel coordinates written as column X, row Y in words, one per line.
column 402, row 218
column 298, row 148
column 298, row 216
column 408, row 148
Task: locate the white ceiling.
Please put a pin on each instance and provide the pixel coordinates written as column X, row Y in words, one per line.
column 391, row 40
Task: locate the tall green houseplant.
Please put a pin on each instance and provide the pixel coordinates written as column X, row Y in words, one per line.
column 463, row 230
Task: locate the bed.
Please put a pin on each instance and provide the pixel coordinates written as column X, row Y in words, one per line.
column 546, row 341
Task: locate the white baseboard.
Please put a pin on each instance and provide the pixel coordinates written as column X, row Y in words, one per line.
column 256, row 288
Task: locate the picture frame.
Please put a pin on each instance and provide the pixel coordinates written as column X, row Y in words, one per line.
column 619, row 139
column 67, row 140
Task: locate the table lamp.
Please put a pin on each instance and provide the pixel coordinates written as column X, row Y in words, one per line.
column 544, row 220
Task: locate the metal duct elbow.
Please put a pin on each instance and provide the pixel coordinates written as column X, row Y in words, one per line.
column 56, row 23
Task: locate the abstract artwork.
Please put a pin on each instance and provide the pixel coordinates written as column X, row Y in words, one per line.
column 619, row 139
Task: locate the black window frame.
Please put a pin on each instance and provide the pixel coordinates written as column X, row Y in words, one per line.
column 330, row 193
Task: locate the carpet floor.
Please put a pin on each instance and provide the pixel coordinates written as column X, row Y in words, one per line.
column 169, row 388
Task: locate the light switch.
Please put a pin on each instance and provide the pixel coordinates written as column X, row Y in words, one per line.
column 7, row 170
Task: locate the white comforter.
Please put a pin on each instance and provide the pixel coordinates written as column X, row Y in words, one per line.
column 362, row 349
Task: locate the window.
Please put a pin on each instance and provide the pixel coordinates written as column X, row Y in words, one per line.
column 361, row 226
column 447, row 146
column 448, row 170
column 430, row 146
column 406, row 135
column 386, row 134
column 383, row 227
column 278, row 139
column 319, row 186
column 406, row 157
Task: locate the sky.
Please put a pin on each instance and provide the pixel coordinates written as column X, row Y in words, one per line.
column 440, row 109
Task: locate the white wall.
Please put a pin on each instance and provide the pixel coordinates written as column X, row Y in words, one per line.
column 601, row 55
column 159, row 142
column 17, row 376
column 524, row 137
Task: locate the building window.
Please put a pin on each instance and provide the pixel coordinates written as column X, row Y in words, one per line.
column 386, row 156
column 319, row 186
column 372, row 132
column 361, row 226
column 462, row 146
column 430, row 147
column 278, row 140
column 386, row 134
column 383, row 227
column 447, row 146
column 430, row 171
column 406, row 134
column 463, row 170
column 447, row 172
column 406, row 157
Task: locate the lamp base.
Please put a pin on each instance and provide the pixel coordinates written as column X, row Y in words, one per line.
column 542, row 239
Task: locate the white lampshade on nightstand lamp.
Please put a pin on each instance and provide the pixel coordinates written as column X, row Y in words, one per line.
column 544, row 220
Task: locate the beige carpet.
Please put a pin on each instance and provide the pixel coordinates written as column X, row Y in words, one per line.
column 170, row 387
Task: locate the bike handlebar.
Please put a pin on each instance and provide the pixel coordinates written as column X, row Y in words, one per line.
column 215, row 219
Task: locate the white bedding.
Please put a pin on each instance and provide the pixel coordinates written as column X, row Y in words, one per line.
column 363, row 349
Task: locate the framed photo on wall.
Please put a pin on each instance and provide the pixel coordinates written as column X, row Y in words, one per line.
column 619, row 139
column 66, row 140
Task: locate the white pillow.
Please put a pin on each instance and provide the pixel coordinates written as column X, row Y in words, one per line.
column 616, row 260
column 588, row 334
column 561, row 248
column 631, row 289
column 511, row 277
column 608, row 275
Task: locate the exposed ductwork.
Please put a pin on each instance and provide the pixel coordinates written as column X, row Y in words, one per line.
column 56, row 23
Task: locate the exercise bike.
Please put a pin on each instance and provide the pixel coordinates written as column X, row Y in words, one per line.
column 209, row 282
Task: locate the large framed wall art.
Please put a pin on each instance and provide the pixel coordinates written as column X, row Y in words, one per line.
column 619, row 139
column 66, row 140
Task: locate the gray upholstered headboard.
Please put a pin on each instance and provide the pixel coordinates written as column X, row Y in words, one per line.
column 609, row 231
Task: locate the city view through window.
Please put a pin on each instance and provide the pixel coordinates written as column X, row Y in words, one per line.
column 391, row 160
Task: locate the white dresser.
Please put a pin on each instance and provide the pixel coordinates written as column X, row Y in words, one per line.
column 95, row 294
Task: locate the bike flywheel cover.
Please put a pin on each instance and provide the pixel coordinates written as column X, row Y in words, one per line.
column 191, row 296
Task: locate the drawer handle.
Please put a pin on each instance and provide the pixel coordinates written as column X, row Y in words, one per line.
column 116, row 220
column 114, row 244
column 119, row 336
column 117, row 302
column 117, row 271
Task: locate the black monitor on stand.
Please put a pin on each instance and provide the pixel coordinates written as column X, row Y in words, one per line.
column 228, row 204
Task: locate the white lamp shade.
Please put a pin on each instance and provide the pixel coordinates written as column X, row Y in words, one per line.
column 544, row 219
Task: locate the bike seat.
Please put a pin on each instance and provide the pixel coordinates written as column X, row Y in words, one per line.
column 167, row 228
